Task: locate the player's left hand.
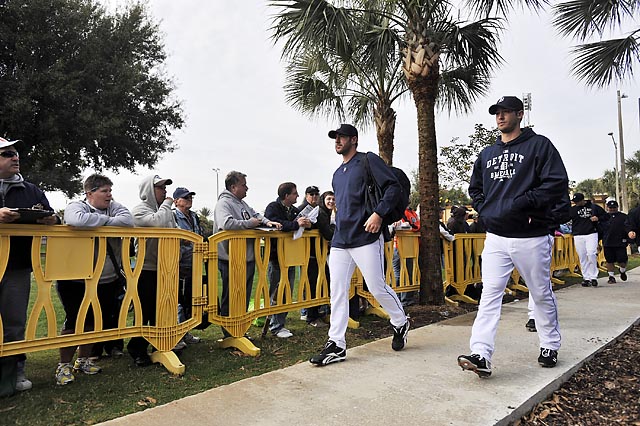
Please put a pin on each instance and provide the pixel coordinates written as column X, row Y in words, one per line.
column 374, row 223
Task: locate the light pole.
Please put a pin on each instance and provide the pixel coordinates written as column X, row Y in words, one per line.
column 623, row 171
column 617, row 175
column 217, row 170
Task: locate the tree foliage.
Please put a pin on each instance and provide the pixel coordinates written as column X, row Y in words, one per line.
column 83, row 88
column 458, row 157
column 604, row 53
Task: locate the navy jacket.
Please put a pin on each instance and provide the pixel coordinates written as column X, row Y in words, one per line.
column 514, row 186
column 349, row 185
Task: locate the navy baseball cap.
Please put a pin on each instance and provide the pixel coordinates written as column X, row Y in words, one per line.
column 345, row 130
column 507, row 102
column 312, row 190
column 182, row 192
column 612, row 204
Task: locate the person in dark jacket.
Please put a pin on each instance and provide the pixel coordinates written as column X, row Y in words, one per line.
column 282, row 211
column 15, row 285
column 457, row 223
column 615, row 241
column 477, row 227
column 585, row 218
column 514, row 185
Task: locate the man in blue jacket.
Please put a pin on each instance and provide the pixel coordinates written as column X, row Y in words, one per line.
column 358, row 241
column 515, row 185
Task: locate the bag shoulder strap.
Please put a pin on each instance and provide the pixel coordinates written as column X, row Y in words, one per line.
column 112, row 256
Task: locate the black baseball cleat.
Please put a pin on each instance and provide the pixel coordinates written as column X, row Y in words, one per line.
column 611, row 280
column 475, row 363
column 531, row 325
column 586, row 283
column 623, row 276
column 330, row 353
column 594, row 283
column 548, row 358
column 400, row 336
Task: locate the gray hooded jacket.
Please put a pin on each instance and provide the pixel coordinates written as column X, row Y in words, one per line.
column 149, row 214
column 232, row 213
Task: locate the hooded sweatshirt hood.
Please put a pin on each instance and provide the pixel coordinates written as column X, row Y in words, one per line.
column 149, row 214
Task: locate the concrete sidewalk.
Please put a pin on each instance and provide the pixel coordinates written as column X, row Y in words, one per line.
column 423, row 383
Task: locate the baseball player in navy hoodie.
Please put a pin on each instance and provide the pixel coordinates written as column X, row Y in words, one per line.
column 515, row 185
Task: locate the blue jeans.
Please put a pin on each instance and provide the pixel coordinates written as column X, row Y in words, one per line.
column 223, row 266
column 273, row 272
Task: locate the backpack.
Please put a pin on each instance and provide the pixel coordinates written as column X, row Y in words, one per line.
column 374, row 192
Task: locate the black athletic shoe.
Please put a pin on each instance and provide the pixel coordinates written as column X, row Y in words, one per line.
column 548, row 358
column 586, row 283
column 611, row 280
column 400, row 336
column 594, row 283
column 475, row 363
column 623, row 276
column 531, row 325
column 330, row 353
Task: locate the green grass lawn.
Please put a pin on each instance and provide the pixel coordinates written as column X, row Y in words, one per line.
column 123, row 388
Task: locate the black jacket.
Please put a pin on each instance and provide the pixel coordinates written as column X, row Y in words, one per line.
column 581, row 223
column 278, row 212
column 616, row 234
column 24, row 195
column 514, row 186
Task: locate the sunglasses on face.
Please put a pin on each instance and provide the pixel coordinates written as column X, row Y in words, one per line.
column 9, row 154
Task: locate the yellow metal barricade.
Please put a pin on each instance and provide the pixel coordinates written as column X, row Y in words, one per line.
column 69, row 255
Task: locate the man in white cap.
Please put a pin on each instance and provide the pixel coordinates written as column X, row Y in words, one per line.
column 153, row 211
column 15, row 192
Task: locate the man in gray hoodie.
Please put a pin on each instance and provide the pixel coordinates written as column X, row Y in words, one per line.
column 153, row 211
column 232, row 213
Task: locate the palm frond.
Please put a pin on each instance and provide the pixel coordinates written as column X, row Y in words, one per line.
column 487, row 8
column 584, row 18
column 313, row 22
column 600, row 63
column 459, row 88
column 474, row 43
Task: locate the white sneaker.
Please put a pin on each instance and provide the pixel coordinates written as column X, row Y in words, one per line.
column 23, row 384
column 283, row 333
column 190, row 339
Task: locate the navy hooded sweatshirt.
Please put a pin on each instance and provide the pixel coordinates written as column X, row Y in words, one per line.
column 515, row 185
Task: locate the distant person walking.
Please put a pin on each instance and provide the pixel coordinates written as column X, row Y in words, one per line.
column 514, row 185
column 584, row 218
column 615, row 241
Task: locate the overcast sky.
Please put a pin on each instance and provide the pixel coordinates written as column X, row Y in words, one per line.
column 230, row 80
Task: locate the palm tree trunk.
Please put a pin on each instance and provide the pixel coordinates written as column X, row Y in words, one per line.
column 424, row 94
column 385, row 118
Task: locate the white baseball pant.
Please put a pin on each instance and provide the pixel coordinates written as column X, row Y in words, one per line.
column 587, row 249
column 532, row 258
column 370, row 260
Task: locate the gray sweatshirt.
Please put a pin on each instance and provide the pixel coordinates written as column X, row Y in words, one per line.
column 82, row 214
column 149, row 214
column 232, row 213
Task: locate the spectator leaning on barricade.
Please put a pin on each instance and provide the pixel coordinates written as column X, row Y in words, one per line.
column 585, row 217
column 283, row 211
column 477, row 227
column 188, row 220
column 97, row 209
column 457, row 223
column 153, row 211
column 231, row 214
column 615, row 241
column 15, row 286
column 515, row 184
column 312, row 314
column 358, row 241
